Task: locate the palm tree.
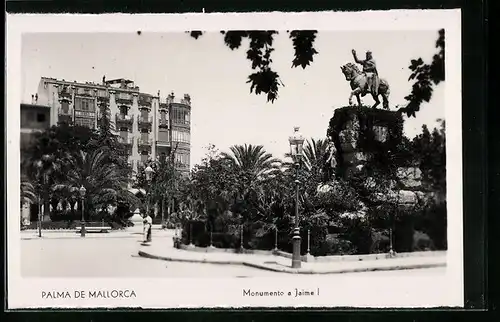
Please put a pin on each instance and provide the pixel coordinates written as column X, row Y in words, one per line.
column 28, row 193
column 314, row 154
column 105, row 182
column 251, row 159
column 43, row 171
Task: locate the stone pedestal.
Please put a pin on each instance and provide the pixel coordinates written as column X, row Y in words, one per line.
column 359, row 133
column 137, row 220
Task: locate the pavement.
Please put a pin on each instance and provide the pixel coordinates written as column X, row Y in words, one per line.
column 122, row 253
column 283, row 265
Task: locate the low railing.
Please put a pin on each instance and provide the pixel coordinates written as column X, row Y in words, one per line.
column 144, row 142
column 65, row 96
column 144, row 102
column 60, row 112
column 141, row 120
column 122, row 118
column 123, row 98
column 163, row 123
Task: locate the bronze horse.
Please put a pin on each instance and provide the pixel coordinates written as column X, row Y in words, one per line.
column 359, row 86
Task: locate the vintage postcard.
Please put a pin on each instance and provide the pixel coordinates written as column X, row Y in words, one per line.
column 235, row 160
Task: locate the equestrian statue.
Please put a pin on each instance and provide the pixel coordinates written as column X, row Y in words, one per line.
column 366, row 81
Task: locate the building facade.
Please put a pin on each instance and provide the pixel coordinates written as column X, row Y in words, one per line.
column 149, row 126
column 34, row 118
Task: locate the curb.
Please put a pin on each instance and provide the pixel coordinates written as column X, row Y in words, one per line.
column 290, row 270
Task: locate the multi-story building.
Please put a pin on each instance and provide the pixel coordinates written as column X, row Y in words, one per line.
column 150, row 127
column 34, row 118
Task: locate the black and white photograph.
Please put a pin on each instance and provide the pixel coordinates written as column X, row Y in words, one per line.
column 212, row 161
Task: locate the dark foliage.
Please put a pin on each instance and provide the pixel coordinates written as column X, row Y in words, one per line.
column 426, row 76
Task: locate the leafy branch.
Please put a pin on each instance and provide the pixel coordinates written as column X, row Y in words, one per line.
column 264, row 80
column 426, row 76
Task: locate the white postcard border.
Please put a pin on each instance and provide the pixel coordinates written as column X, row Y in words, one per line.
column 337, row 290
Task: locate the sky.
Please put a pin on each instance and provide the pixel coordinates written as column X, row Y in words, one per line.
column 224, row 112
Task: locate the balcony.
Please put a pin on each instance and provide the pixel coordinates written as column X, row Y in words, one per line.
column 123, row 98
column 144, row 102
column 144, row 144
column 102, row 100
column 122, row 119
column 65, row 96
column 144, row 122
column 163, row 143
column 163, row 124
column 163, row 107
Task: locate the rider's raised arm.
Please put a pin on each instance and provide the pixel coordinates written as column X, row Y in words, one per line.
column 356, row 59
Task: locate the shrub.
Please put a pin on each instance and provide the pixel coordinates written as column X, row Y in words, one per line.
column 359, row 233
column 403, row 234
column 334, row 245
column 54, row 225
column 380, row 241
column 422, row 242
column 194, row 227
column 434, row 224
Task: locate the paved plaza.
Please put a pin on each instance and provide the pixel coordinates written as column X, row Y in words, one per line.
column 65, row 254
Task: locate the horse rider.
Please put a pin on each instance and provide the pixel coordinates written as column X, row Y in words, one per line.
column 370, row 69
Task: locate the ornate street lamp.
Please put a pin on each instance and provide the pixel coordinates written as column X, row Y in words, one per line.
column 296, row 147
column 41, row 165
column 82, row 195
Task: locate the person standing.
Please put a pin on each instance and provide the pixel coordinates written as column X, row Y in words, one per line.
column 148, row 223
column 370, row 69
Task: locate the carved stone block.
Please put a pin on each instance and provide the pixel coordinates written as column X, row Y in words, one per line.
column 381, row 133
column 410, row 177
column 355, row 157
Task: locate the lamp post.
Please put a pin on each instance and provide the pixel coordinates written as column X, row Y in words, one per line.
column 82, row 195
column 149, row 174
column 296, row 145
column 42, row 170
column 39, row 215
column 308, row 242
column 392, row 253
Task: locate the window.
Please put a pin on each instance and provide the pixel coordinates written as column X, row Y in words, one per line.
column 30, row 116
column 84, row 104
column 180, row 116
column 40, row 117
column 182, row 159
column 123, row 110
column 124, row 135
column 65, row 107
column 163, row 136
column 180, row 136
column 102, row 93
